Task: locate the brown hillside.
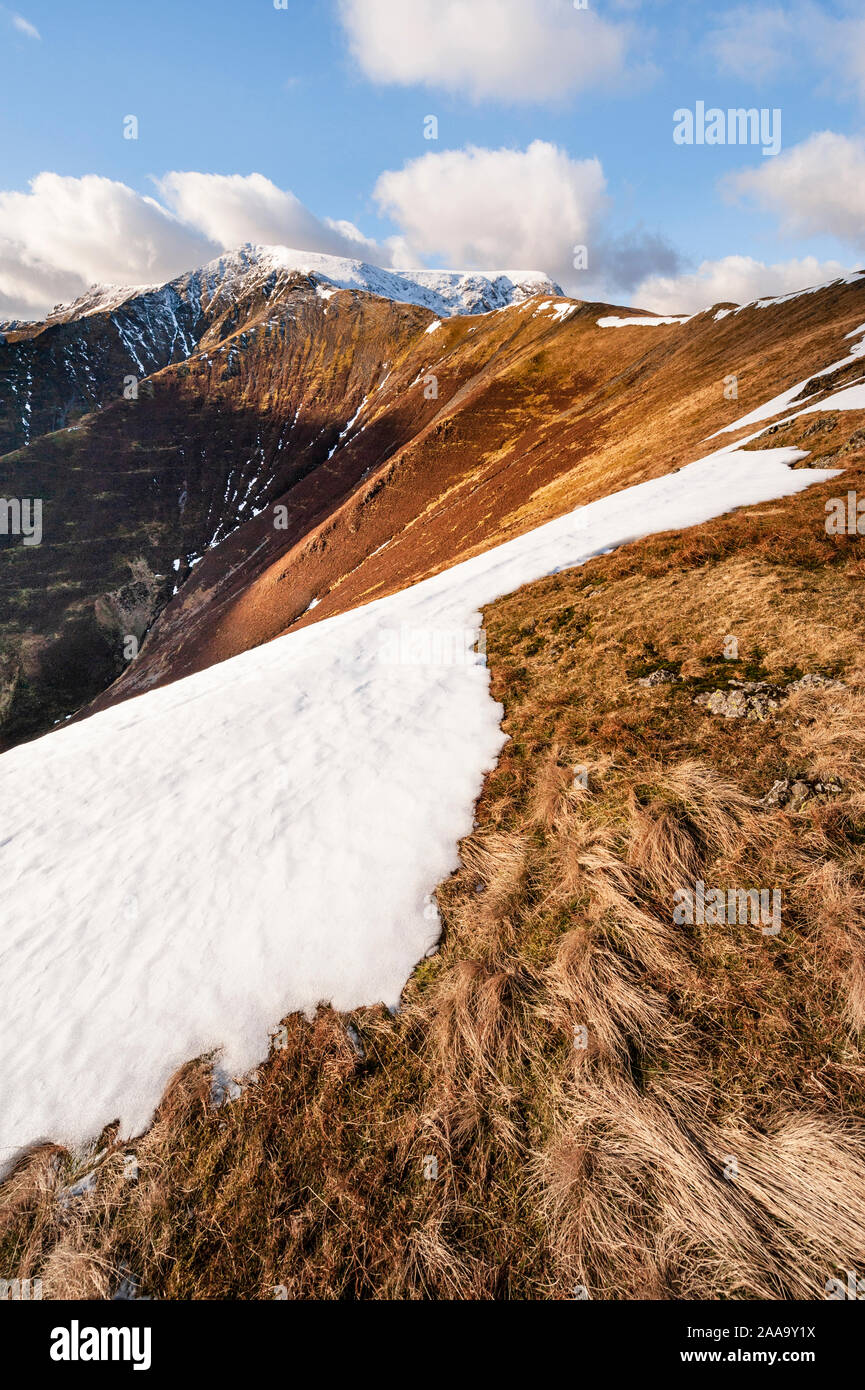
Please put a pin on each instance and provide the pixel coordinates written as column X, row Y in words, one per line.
column 534, row 416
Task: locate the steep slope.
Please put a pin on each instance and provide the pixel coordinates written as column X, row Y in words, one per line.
column 79, row 358
column 134, row 494
column 538, row 409
column 323, row 446
column 138, row 492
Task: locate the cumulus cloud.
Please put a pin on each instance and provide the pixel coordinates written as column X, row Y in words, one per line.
column 485, row 208
column 816, row 187
column 476, row 208
column 532, row 209
column 232, row 208
column 515, row 50
column 628, row 259
column 736, row 279
column 66, row 234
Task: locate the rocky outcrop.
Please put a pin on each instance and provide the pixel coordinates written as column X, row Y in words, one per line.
column 759, row 699
column 744, row 700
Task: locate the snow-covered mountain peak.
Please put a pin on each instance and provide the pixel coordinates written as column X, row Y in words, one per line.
column 444, row 292
column 234, row 273
column 98, row 299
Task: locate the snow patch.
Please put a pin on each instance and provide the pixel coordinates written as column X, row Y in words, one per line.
column 640, row 321
column 779, row 403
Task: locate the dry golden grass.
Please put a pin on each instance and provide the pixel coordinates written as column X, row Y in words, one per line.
column 646, row 1109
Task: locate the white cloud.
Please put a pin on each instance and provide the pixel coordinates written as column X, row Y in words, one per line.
column 491, row 209
column 816, row 187
column 232, row 208
column 508, row 209
column 24, row 26
column 736, row 279
column 468, row 209
column 496, row 209
column 515, row 50
column 68, row 233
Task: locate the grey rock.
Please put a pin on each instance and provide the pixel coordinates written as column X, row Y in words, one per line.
column 738, row 704
column 777, row 793
column 811, row 681
column 659, row 677
column 793, row 794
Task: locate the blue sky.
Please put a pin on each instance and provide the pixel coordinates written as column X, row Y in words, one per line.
column 322, row 98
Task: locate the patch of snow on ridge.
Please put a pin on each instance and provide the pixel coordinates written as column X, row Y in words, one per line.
column 641, row 321
column 184, row 869
column 99, row 299
column 768, row 302
column 849, row 398
column 779, row 403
